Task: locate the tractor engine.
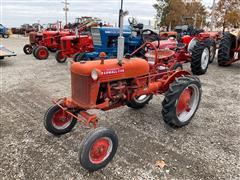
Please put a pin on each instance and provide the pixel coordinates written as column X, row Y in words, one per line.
column 35, row 37
column 105, row 84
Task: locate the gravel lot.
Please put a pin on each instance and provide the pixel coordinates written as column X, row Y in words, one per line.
column 208, row 148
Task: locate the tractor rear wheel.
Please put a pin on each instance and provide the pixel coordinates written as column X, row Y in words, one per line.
column 58, row 122
column 53, row 50
column 98, row 148
column 200, row 58
column 41, row 53
column 28, row 49
column 140, row 102
column 181, row 101
column 60, row 57
column 227, row 43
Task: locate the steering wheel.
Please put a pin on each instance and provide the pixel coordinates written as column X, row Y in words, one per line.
column 150, row 36
column 132, row 21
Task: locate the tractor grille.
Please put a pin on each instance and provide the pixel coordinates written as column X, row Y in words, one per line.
column 81, row 88
column 96, row 36
column 64, row 44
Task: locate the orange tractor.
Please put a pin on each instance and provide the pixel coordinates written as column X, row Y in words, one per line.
column 229, row 49
column 110, row 84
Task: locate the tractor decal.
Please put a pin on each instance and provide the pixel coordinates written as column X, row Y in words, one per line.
column 113, row 71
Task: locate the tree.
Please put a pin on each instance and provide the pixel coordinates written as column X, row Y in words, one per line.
column 174, row 11
column 228, row 13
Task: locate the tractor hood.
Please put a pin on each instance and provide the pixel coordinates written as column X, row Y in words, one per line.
column 111, row 70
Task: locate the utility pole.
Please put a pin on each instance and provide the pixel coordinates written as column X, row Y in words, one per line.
column 213, row 15
column 66, row 9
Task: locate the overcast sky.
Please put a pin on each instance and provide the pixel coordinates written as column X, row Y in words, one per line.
column 18, row 12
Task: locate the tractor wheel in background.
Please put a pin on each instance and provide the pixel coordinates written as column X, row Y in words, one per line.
column 227, row 43
column 181, row 101
column 200, row 58
column 59, row 57
column 34, row 50
column 58, row 122
column 81, row 57
column 98, row 148
column 53, row 50
column 1, row 57
column 28, row 49
column 139, row 102
column 41, row 53
column 212, row 49
column 5, row 35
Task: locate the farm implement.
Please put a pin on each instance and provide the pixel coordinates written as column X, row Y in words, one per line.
column 4, row 52
column 109, row 84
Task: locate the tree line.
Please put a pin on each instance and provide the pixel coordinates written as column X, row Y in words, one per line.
column 179, row 12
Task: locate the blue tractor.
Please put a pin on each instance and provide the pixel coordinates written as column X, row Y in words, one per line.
column 105, row 39
column 4, row 31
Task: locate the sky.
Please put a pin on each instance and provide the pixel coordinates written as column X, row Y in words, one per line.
column 17, row 12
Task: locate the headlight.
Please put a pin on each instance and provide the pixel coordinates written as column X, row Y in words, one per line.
column 94, row 74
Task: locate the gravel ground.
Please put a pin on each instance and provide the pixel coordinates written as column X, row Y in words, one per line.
column 208, row 148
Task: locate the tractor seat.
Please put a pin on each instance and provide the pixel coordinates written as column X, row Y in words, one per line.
column 163, row 54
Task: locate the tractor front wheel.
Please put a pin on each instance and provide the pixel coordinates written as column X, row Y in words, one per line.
column 200, row 58
column 28, row 49
column 57, row 121
column 98, row 148
column 139, row 102
column 41, row 53
column 60, row 57
column 181, row 101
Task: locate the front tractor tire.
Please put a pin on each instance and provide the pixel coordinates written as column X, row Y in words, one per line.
column 58, row 122
column 98, row 148
column 28, row 49
column 181, row 101
column 140, row 102
column 200, row 58
column 60, row 57
column 225, row 54
column 41, row 53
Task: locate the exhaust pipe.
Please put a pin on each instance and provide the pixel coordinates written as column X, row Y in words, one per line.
column 120, row 50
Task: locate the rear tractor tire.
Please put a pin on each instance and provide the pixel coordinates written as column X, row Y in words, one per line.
column 28, row 49
column 98, row 148
column 181, row 101
column 41, row 53
column 58, row 122
column 59, row 57
column 140, row 102
column 227, row 43
column 200, row 58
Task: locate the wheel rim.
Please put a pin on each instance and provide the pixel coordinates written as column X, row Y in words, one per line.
column 60, row 57
column 28, row 49
column 187, row 103
column 100, row 150
column 42, row 53
column 205, row 58
column 141, row 98
column 61, row 120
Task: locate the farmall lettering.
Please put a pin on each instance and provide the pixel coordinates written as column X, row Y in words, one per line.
column 113, row 71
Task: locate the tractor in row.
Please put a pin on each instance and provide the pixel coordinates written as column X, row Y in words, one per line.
column 109, row 84
column 229, row 49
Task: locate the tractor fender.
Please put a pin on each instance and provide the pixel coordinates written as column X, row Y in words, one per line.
column 172, row 78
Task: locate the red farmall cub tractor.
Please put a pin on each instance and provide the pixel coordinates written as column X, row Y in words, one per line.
column 114, row 83
column 71, row 45
column 229, row 49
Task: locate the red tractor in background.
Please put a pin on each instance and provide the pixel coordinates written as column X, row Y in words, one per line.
column 196, row 47
column 71, row 45
column 110, row 84
column 229, row 49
